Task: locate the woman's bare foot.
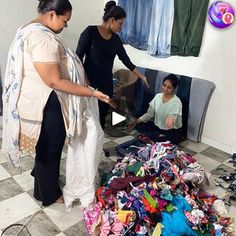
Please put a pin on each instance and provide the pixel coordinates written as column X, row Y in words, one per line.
column 60, row 199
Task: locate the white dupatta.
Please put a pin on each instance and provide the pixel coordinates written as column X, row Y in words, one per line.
column 84, row 131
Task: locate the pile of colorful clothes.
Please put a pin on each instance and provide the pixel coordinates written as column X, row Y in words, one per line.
column 155, row 191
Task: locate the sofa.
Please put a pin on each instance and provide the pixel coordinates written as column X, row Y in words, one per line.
column 194, row 94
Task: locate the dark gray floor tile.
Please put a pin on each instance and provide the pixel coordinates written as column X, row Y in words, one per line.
column 9, row 188
column 230, row 199
column 78, row 229
column 109, row 145
column 222, row 169
column 113, row 132
column 26, row 162
column 216, row 154
column 106, row 166
column 110, row 148
column 40, row 225
column 190, row 152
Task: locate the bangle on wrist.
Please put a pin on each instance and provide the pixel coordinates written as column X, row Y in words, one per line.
column 94, row 91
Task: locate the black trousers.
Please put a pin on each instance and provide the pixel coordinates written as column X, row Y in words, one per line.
column 48, row 153
column 103, row 111
column 153, row 132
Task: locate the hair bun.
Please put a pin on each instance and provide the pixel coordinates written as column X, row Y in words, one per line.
column 109, row 5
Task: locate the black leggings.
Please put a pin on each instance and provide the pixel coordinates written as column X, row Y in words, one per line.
column 153, row 132
column 103, row 111
column 48, row 153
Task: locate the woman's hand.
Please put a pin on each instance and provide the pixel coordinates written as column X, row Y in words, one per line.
column 170, row 121
column 112, row 104
column 101, row 96
column 141, row 76
column 132, row 125
column 144, row 79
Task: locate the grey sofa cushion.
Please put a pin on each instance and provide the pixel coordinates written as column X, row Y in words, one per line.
column 200, row 94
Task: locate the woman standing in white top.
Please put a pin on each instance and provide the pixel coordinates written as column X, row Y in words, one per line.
column 41, row 77
column 166, row 109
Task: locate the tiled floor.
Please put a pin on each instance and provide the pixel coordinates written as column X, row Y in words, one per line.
column 18, row 206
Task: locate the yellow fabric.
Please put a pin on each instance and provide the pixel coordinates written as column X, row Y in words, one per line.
column 125, row 216
column 157, row 230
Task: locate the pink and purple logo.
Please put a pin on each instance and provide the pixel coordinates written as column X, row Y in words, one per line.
column 221, row 14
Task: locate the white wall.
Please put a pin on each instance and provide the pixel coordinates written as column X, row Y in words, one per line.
column 15, row 13
column 85, row 12
column 217, row 63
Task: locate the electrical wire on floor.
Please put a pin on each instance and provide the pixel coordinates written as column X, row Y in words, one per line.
column 23, row 226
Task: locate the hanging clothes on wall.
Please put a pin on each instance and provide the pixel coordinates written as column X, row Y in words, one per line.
column 135, row 30
column 159, row 40
column 188, row 27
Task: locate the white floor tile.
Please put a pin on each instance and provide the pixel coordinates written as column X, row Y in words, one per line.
column 212, row 189
column 3, row 173
column 106, row 140
column 16, row 208
column 25, row 180
column 194, row 146
column 208, row 163
column 3, row 157
column 63, row 220
column 123, row 139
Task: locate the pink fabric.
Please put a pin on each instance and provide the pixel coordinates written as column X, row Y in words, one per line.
column 91, row 217
column 116, row 227
column 107, row 229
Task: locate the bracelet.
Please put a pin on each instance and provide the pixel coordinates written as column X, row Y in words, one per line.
column 93, row 95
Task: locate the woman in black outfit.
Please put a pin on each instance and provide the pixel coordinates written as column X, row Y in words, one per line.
column 97, row 47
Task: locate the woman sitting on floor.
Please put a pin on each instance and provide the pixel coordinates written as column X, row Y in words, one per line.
column 166, row 109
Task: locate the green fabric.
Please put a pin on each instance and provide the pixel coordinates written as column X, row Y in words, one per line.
column 149, row 198
column 170, row 207
column 206, row 230
column 106, row 177
column 135, row 167
column 188, row 27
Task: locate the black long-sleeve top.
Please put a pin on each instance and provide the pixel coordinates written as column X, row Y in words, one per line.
column 98, row 56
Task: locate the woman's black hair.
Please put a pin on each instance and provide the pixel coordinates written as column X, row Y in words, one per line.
column 173, row 79
column 112, row 10
column 59, row 6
